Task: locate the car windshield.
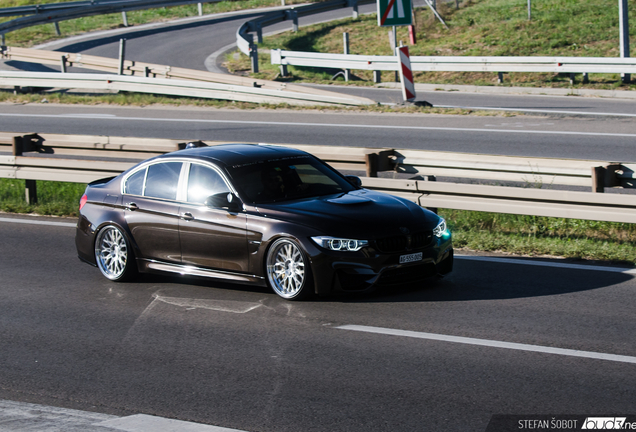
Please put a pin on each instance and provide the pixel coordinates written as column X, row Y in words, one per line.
column 286, row 179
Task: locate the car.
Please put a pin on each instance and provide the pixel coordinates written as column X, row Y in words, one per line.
column 258, row 214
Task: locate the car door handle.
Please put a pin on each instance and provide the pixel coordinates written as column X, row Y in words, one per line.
column 187, row 216
column 132, row 206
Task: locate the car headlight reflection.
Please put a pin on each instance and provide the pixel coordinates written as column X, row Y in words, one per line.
column 441, row 230
column 340, row 244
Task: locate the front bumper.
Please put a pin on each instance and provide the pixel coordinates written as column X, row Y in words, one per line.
column 364, row 272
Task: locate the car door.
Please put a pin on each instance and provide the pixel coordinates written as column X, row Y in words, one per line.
column 151, row 210
column 211, row 237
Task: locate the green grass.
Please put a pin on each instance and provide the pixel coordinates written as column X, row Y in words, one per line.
column 540, row 236
column 477, row 28
column 526, row 235
column 54, row 198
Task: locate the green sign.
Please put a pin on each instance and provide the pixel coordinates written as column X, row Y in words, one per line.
column 394, row 12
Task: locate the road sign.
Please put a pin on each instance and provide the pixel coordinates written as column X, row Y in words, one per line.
column 394, row 12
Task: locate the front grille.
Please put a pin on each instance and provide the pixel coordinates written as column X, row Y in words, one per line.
column 404, row 242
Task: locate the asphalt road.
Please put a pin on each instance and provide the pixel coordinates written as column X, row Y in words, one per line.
column 240, row 357
column 604, row 139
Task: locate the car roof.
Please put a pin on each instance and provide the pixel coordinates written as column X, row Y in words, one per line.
column 237, row 154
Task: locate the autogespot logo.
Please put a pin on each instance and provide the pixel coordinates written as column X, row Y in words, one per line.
column 606, row 423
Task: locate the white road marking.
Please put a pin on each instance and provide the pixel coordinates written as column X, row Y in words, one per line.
column 548, row 264
column 327, row 125
column 530, row 110
column 38, row 222
column 490, row 343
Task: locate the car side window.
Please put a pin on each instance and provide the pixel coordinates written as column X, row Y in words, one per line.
column 135, row 183
column 203, row 182
column 162, row 180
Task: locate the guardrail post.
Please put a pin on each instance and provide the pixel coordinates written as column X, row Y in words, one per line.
column 500, row 79
column 63, row 64
column 2, row 41
column 124, row 18
column 623, row 17
column 253, row 53
column 294, row 20
column 259, row 32
column 30, row 192
column 354, row 7
column 572, row 79
column 200, row 8
column 598, row 179
column 57, row 28
column 122, row 55
column 16, row 148
column 345, row 42
column 586, row 78
column 377, row 76
column 371, row 162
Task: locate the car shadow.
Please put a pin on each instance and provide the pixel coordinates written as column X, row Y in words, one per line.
column 469, row 281
column 489, row 280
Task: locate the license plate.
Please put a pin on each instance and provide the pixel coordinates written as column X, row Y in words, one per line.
column 411, row 258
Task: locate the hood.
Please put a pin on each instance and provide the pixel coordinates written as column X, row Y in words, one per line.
column 357, row 214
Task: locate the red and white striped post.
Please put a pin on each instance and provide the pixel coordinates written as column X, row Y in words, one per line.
column 406, row 74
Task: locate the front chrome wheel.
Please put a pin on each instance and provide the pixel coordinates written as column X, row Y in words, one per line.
column 113, row 256
column 288, row 270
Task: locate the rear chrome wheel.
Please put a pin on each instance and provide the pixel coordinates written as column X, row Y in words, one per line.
column 114, row 257
column 288, row 270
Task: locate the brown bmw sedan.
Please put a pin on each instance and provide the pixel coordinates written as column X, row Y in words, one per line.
column 266, row 215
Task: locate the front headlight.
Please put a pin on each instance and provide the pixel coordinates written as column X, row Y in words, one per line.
column 340, row 244
column 441, row 230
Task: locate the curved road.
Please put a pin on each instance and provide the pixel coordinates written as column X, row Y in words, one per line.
column 495, row 337
column 515, row 337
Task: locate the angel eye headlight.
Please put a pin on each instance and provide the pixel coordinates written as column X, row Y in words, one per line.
column 441, row 230
column 340, row 244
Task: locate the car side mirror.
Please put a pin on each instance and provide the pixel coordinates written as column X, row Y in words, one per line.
column 224, row 200
column 354, row 180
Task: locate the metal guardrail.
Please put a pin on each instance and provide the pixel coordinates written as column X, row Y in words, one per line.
column 79, row 10
column 195, row 83
column 172, row 87
column 458, row 64
column 245, row 41
column 498, row 199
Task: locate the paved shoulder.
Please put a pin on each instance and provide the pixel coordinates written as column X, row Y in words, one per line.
column 21, row 416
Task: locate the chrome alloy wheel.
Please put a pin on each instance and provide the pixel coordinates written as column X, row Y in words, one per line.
column 286, row 270
column 111, row 253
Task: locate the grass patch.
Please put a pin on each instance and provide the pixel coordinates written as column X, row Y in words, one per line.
column 524, row 235
column 54, row 198
column 540, row 236
column 143, row 99
column 477, row 28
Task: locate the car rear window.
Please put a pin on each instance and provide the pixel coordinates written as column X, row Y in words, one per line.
column 162, row 180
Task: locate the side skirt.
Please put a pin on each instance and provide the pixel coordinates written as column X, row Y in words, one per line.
column 157, row 266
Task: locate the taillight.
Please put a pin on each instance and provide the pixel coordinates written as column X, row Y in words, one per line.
column 83, row 201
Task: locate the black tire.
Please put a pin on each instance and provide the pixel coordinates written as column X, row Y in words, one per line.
column 288, row 270
column 113, row 254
